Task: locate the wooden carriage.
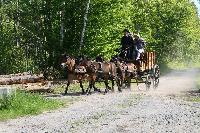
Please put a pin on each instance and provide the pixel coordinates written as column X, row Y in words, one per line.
column 149, row 69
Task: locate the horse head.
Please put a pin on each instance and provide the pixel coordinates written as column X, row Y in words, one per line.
column 87, row 63
column 68, row 62
column 116, row 60
column 99, row 58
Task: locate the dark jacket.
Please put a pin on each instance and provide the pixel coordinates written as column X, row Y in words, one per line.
column 126, row 42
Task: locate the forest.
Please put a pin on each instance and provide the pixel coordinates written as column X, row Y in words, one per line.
column 35, row 33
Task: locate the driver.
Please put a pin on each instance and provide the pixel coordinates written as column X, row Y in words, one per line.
column 126, row 45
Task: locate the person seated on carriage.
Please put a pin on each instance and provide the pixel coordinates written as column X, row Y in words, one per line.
column 126, row 45
column 139, row 44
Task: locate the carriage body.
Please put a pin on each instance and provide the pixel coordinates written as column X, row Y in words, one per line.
column 148, row 61
column 149, row 69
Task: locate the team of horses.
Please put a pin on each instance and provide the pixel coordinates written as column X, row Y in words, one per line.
column 82, row 68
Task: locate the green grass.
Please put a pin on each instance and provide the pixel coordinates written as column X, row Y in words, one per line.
column 74, row 88
column 22, row 104
column 194, row 99
column 191, row 98
column 178, row 65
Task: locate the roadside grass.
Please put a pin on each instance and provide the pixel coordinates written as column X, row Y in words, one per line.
column 191, row 98
column 166, row 68
column 21, row 104
column 75, row 88
column 194, row 99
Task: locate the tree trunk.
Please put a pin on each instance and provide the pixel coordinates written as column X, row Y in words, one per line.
column 84, row 25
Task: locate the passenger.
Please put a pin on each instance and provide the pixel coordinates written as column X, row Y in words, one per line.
column 139, row 44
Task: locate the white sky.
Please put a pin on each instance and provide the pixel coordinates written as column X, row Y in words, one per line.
column 198, row 5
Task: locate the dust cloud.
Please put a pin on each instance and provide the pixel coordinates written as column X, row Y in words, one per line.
column 177, row 82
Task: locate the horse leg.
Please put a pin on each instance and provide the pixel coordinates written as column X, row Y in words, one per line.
column 106, row 84
column 89, row 88
column 106, row 79
column 129, row 83
column 113, row 84
column 119, row 84
column 93, row 83
column 136, row 80
column 81, row 85
column 123, row 80
column 66, row 89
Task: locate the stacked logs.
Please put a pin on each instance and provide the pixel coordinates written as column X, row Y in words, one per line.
column 20, row 78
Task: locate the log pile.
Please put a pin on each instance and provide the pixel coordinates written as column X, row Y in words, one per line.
column 21, row 78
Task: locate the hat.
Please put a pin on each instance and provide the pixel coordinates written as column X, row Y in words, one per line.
column 126, row 30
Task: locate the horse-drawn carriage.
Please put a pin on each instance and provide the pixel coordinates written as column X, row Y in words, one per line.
column 122, row 71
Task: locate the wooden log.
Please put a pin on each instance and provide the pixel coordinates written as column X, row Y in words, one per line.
column 20, row 78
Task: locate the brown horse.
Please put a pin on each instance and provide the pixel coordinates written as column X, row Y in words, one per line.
column 95, row 70
column 91, row 71
column 125, row 72
column 107, row 70
column 74, row 72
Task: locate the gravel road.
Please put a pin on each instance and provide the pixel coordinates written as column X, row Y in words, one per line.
column 154, row 111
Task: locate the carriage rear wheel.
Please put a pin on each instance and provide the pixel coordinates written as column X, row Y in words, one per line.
column 156, row 76
column 155, row 83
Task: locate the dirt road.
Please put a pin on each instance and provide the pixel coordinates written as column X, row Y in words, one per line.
column 155, row 111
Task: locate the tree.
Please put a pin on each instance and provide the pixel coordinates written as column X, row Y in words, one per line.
column 34, row 33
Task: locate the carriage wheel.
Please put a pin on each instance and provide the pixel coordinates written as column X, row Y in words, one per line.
column 156, row 76
column 155, row 82
column 128, row 83
column 148, row 82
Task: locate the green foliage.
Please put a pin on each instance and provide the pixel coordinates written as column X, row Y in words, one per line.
column 33, row 34
column 5, row 102
column 25, row 104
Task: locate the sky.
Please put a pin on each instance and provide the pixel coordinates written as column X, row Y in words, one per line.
column 198, row 5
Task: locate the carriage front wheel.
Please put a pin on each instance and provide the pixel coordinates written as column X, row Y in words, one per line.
column 148, row 82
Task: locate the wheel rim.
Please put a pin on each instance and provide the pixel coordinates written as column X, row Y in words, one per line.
column 148, row 82
column 156, row 73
